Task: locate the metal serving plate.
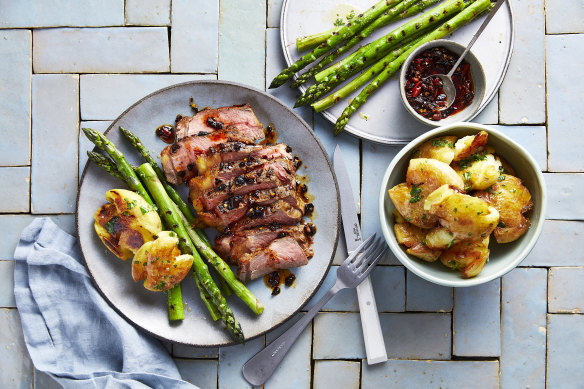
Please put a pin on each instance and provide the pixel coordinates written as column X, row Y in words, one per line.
column 383, row 119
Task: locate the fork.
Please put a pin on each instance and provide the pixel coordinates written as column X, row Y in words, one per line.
column 350, row 274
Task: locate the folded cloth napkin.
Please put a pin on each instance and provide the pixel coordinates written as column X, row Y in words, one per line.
column 70, row 331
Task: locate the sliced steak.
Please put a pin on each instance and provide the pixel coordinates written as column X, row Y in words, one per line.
column 280, row 212
column 271, row 175
column 211, row 120
column 282, row 253
column 234, row 245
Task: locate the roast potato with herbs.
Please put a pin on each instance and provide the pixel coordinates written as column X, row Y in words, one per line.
column 468, row 257
column 441, row 149
column 413, row 238
column 409, row 202
column 126, row 222
column 469, row 145
column 512, row 199
column 432, row 174
column 479, row 171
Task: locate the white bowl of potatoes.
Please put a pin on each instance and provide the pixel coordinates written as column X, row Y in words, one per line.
column 462, row 204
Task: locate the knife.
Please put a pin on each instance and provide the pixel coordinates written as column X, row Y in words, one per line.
column 374, row 343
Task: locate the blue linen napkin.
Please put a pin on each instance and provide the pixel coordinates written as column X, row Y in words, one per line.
column 70, row 331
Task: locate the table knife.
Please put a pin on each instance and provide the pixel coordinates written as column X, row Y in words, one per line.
column 374, row 343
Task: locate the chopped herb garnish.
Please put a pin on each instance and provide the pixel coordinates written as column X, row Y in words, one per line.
column 144, row 210
column 502, row 224
column 467, row 162
column 109, row 226
column 442, row 143
column 501, row 178
column 415, row 194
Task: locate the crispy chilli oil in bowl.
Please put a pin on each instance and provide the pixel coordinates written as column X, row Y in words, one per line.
column 426, row 94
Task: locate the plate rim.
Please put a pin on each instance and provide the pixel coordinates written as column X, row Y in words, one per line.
column 384, row 140
column 196, row 83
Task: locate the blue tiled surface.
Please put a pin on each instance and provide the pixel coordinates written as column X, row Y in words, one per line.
column 64, row 68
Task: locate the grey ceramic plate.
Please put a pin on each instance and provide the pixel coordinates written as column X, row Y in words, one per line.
column 384, row 119
column 147, row 309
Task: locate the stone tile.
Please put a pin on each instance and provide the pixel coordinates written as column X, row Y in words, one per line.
column 148, row 12
column 7, row 284
column 341, row 253
column 101, row 50
column 55, row 13
column 564, row 196
column 406, row 335
column 85, row 144
column 45, row 381
column 55, row 114
column 431, row 374
column 565, row 355
column 490, row 114
column 426, row 296
column 522, row 94
column 477, row 320
column 274, row 12
column 376, row 159
column 564, row 16
column 523, row 328
column 232, row 358
column 532, row 138
column 15, row 189
column 560, row 244
column 565, row 294
column 183, row 351
column 17, row 368
column 193, row 48
column 564, row 54
column 275, row 62
column 15, row 74
column 388, row 287
column 242, row 46
column 295, row 369
column 11, row 227
column 202, row 373
column 106, row 96
column 336, row 374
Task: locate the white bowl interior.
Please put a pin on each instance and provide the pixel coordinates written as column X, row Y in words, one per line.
column 503, row 257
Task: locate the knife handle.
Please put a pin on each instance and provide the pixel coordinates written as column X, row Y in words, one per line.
column 372, row 335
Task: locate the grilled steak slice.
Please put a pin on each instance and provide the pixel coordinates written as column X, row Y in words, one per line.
column 234, row 245
column 282, row 253
column 211, row 120
column 181, row 163
column 235, row 207
column 226, row 171
column 280, row 212
column 272, row 175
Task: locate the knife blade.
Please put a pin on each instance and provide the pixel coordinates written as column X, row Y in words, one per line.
column 372, row 334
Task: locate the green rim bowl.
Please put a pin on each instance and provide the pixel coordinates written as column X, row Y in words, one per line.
column 478, row 77
column 503, row 257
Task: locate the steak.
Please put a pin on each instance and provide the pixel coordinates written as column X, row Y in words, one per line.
column 280, row 212
column 210, row 120
column 282, row 253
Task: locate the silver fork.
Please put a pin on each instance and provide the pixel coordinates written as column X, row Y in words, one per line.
column 350, row 274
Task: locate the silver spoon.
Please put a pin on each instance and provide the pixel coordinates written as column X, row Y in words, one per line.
column 447, row 83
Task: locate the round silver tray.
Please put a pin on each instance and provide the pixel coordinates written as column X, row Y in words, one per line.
column 383, row 118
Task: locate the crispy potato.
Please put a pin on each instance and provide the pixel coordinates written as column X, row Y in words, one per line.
column 439, row 238
column 468, row 257
column 126, row 222
column 506, row 168
column 413, row 238
column 408, row 200
column 432, row 174
column 512, row 199
column 465, row 216
column 160, row 263
column 441, row 149
column 480, row 173
column 469, row 145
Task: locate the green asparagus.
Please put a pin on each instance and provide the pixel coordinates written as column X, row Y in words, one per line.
column 464, row 17
column 105, row 163
column 348, row 30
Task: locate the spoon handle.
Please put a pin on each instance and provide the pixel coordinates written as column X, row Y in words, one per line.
column 476, row 35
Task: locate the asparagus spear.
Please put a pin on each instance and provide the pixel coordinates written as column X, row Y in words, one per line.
column 345, row 91
column 459, row 20
column 105, row 163
column 126, row 172
column 310, row 41
column 432, row 17
column 401, row 11
column 348, row 30
column 171, row 215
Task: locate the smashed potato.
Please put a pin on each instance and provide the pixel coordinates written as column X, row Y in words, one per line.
column 457, row 192
column 160, row 263
column 512, row 199
column 126, row 222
